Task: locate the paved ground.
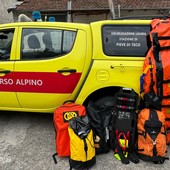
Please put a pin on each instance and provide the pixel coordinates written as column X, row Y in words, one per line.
column 27, row 142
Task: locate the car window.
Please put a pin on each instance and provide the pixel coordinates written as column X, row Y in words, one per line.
column 6, row 37
column 125, row 40
column 46, row 43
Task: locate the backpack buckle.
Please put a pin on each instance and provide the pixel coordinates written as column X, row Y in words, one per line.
column 154, row 142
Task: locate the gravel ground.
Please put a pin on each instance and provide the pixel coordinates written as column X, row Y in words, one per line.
column 27, row 142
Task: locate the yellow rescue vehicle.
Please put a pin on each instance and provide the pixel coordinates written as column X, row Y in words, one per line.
column 43, row 64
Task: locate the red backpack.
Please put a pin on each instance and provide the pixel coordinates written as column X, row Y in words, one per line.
column 61, row 117
column 156, row 70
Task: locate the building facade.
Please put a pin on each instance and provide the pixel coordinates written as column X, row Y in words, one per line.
column 82, row 11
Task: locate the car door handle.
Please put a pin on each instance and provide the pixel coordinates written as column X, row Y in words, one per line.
column 5, row 71
column 67, row 71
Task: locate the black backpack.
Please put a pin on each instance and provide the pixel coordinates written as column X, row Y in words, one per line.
column 100, row 119
column 123, row 132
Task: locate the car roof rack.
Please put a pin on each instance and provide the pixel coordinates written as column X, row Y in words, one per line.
column 146, row 17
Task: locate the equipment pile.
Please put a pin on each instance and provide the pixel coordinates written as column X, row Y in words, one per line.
column 132, row 132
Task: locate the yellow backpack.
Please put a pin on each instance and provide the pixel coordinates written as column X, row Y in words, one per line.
column 82, row 150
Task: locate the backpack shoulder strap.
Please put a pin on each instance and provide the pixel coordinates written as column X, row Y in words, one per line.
column 153, row 125
column 153, row 115
column 54, row 157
